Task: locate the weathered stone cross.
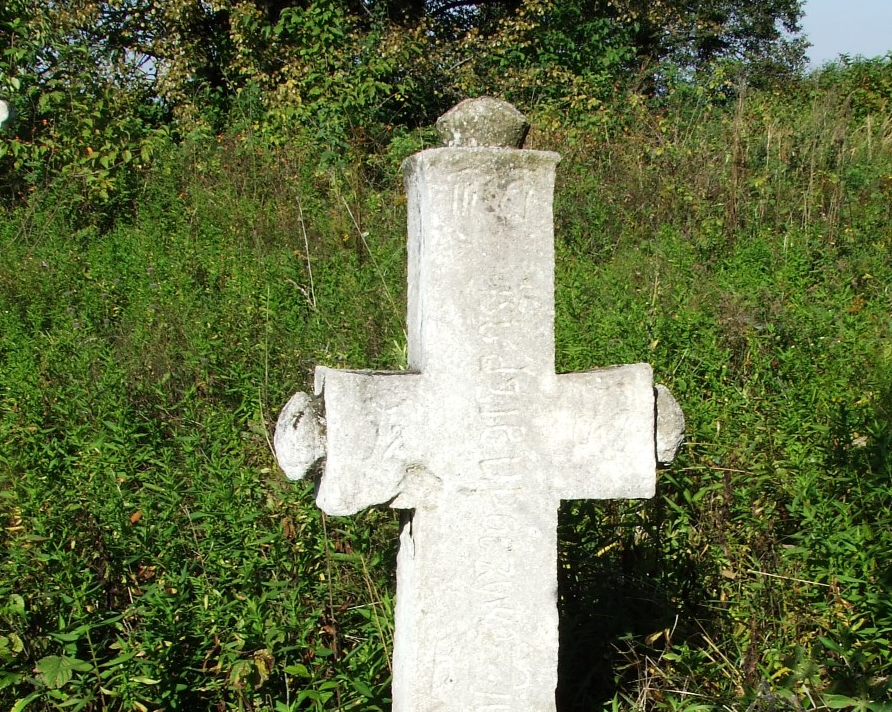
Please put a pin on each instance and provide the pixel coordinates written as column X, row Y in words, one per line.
column 481, row 439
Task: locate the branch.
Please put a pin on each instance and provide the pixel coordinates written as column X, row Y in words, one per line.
column 456, row 4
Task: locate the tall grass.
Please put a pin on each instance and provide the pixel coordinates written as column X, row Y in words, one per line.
column 155, row 558
column 742, row 249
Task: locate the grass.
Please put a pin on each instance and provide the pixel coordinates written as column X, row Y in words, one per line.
column 760, row 562
column 155, row 558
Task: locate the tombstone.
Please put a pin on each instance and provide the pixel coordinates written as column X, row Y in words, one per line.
column 481, row 440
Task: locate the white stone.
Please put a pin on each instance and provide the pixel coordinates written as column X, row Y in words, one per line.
column 670, row 426
column 481, row 440
column 7, row 113
column 299, row 440
column 483, row 122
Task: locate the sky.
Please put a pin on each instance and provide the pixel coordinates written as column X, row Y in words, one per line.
column 850, row 27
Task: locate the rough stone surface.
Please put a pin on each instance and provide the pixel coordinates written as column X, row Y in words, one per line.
column 299, row 440
column 670, row 426
column 481, row 439
column 7, row 114
column 483, row 123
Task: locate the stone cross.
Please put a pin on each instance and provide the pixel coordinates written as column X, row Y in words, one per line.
column 481, row 439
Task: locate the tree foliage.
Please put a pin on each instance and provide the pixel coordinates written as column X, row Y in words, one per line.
column 696, row 34
column 200, row 51
column 85, row 107
column 92, row 79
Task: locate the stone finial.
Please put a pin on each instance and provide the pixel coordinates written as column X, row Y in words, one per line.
column 7, row 113
column 483, row 122
column 670, row 425
column 300, row 436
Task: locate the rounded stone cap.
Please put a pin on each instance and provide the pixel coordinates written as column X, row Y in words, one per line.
column 7, row 113
column 299, row 441
column 483, row 122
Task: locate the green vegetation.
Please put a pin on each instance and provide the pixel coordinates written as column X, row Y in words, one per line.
column 744, row 252
column 175, row 258
column 100, row 84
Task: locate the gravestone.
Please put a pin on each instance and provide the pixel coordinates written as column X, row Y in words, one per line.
column 481, row 439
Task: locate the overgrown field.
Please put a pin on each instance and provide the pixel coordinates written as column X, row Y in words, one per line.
column 155, row 558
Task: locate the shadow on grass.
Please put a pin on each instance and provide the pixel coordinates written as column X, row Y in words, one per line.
column 619, row 602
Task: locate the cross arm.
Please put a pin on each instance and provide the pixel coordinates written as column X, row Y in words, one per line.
column 611, row 426
column 366, row 426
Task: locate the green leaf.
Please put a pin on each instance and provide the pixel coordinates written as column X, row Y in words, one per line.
column 11, row 643
column 57, row 670
column 298, row 670
column 145, row 680
column 123, row 658
column 830, row 645
column 72, row 636
column 362, row 688
column 24, row 702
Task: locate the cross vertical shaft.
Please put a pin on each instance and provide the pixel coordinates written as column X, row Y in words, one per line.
column 482, row 439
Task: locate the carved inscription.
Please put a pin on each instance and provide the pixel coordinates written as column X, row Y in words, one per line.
column 389, row 441
column 493, row 585
column 506, row 200
column 502, row 388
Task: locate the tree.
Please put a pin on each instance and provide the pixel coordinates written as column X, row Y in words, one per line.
column 759, row 35
column 101, row 74
column 692, row 34
column 85, row 107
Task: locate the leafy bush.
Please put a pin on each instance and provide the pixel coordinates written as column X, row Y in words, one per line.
column 85, row 125
column 155, row 556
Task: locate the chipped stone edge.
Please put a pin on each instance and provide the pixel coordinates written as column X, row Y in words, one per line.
column 670, row 425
